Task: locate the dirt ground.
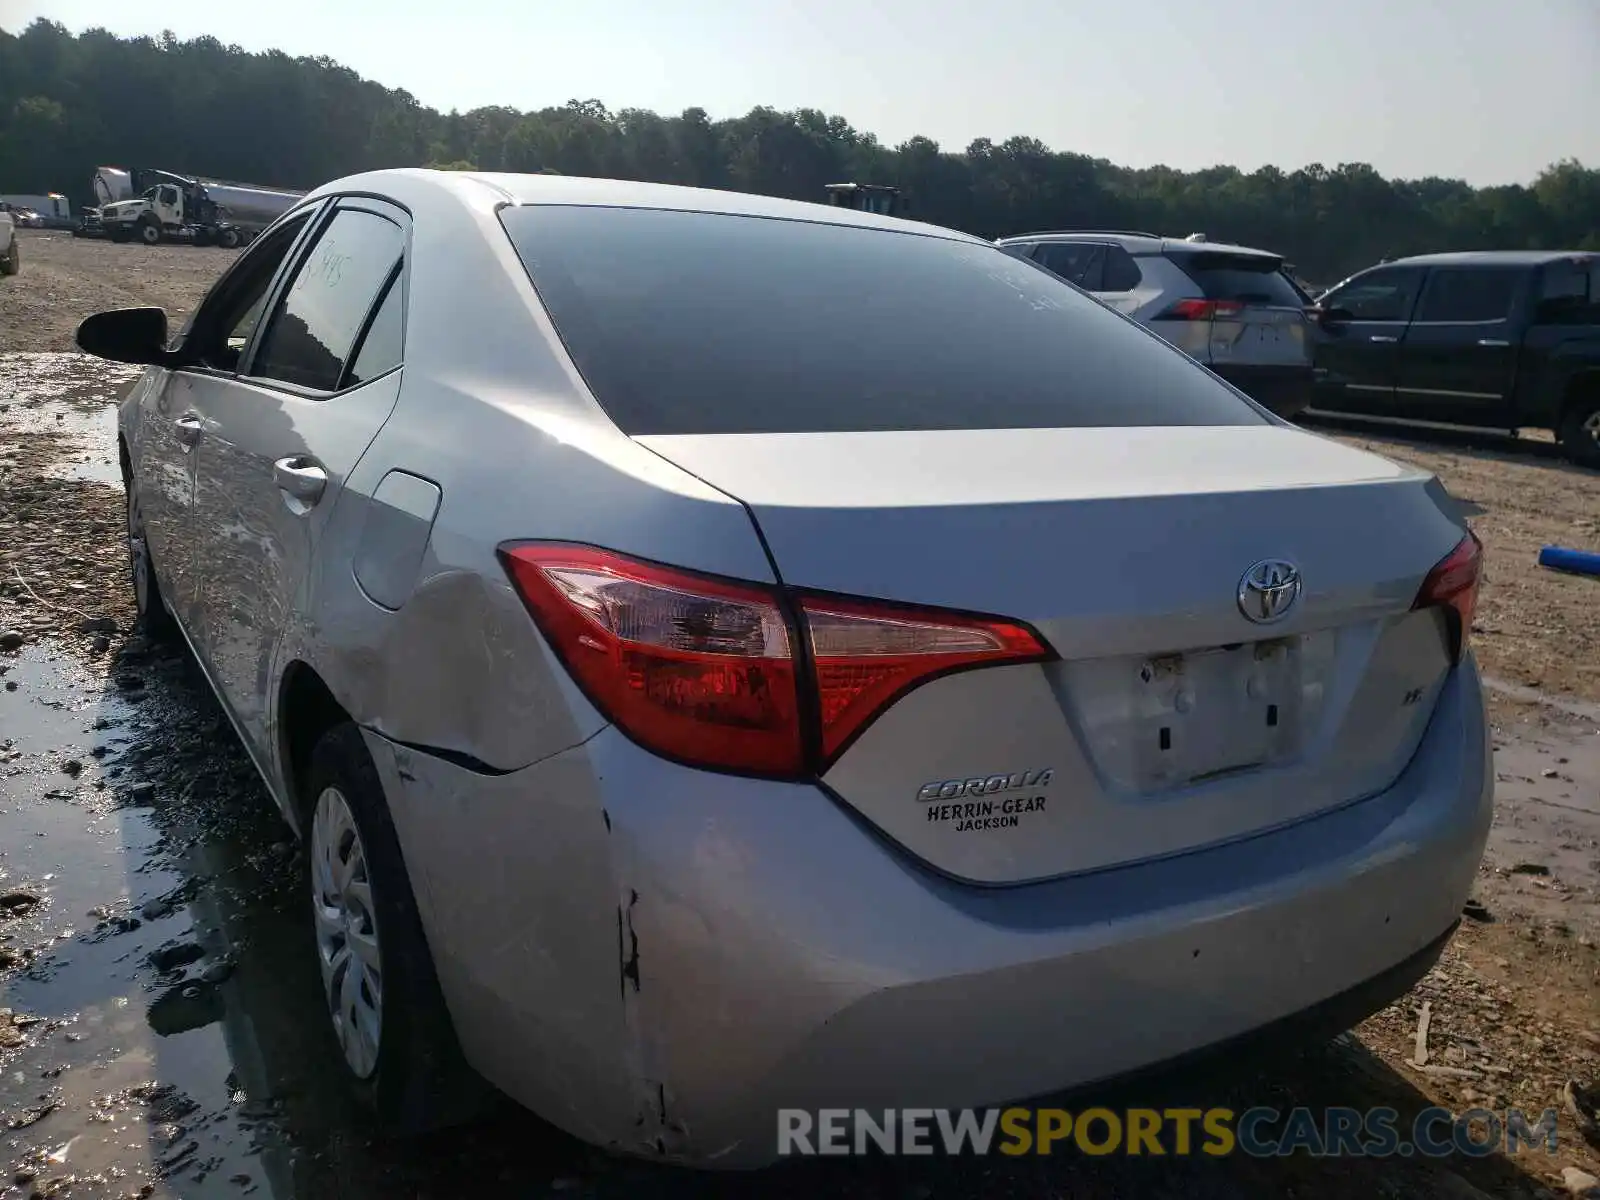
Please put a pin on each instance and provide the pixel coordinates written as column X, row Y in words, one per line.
column 165, row 1033
column 64, row 279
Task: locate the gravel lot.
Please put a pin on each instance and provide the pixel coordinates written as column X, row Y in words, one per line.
column 131, row 825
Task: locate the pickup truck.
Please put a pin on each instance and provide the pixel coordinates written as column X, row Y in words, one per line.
column 10, row 255
column 1493, row 339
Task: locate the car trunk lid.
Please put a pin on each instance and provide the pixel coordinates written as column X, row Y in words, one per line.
column 1171, row 720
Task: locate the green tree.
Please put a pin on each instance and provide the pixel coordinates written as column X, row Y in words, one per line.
column 70, row 102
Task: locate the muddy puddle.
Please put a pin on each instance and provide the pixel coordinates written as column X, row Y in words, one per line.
column 1546, row 834
column 142, row 885
column 72, row 398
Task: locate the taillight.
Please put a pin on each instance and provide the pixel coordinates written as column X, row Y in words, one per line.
column 1453, row 585
column 1201, row 310
column 866, row 656
column 690, row 667
column 708, row 671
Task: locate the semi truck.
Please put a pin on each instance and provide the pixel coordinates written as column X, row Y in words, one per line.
column 153, row 206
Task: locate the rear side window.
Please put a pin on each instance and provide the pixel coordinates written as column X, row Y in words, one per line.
column 1386, row 294
column 685, row 322
column 1569, row 293
column 380, row 348
column 1242, row 278
column 1470, row 294
column 1070, row 260
column 320, row 315
column 1120, row 271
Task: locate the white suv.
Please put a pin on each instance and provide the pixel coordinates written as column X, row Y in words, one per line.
column 1230, row 307
column 10, row 259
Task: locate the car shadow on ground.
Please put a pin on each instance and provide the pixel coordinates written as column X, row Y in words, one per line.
column 244, row 1087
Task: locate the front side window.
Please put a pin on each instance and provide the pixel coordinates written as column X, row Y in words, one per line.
column 1468, row 294
column 705, row 323
column 1383, row 295
column 224, row 324
column 318, row 318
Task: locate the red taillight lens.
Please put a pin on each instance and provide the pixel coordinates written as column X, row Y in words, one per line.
column 866, row 656
column 690, row 667
column 1453, row 584
column 703, row 669
column 1202, row 310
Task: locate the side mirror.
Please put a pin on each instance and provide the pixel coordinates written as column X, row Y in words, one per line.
column 1332, row 316
column 130, row 335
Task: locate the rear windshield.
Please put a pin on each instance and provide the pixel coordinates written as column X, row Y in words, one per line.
column 685, row 322
column 1245, row 278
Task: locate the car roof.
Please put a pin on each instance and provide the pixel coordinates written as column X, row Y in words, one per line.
column 1137, row 243
column 1489, row 258
column 621, row 193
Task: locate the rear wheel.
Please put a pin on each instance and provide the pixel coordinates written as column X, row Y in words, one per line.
column 383, row 998
column 228, row 239
column 1580, row 429
column 154, row 620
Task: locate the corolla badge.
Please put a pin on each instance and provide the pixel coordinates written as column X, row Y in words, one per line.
column 1269, row 590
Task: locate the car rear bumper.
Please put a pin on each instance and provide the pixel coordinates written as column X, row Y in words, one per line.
column 1284, row 390
column 657, row 958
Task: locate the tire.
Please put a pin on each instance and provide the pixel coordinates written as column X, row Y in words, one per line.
column 154, row 619
column 12, row 263
column 150, row 233
column 1580, row 429
column 119, row 235
column 408, row 1071
column 228, row 239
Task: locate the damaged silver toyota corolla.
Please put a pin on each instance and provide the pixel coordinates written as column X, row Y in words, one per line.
column 725, row 654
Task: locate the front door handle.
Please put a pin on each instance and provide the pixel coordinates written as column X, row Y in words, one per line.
column 1382, row 337
column 189, row 429
column 1493, row 342
column 300, row 480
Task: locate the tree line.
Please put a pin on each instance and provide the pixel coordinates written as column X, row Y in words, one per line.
column 71, row 102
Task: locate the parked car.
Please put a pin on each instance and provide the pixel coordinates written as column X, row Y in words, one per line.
column 1494, row 339
column 1235, row 309
column 26, row 218
column 10, row 252
column 723, row 652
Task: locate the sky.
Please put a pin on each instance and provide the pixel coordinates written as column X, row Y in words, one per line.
column 1491, row 91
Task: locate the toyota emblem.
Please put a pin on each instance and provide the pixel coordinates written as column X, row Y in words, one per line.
column 1269, row 590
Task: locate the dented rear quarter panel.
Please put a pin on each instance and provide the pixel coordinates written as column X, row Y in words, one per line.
column 492, row 413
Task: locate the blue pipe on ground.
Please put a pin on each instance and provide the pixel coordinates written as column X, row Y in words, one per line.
column 1564, row 558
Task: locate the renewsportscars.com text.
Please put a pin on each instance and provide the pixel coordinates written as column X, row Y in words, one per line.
column 1260, row 1132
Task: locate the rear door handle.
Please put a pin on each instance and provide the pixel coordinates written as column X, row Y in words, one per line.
column 301, row 481
column 1382, row 337
column 189, row 429
column 1493, row 342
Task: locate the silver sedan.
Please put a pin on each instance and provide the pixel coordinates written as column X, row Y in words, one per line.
column 725, row 653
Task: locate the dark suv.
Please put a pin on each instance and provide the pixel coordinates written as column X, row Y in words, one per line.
column 1491, row 339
